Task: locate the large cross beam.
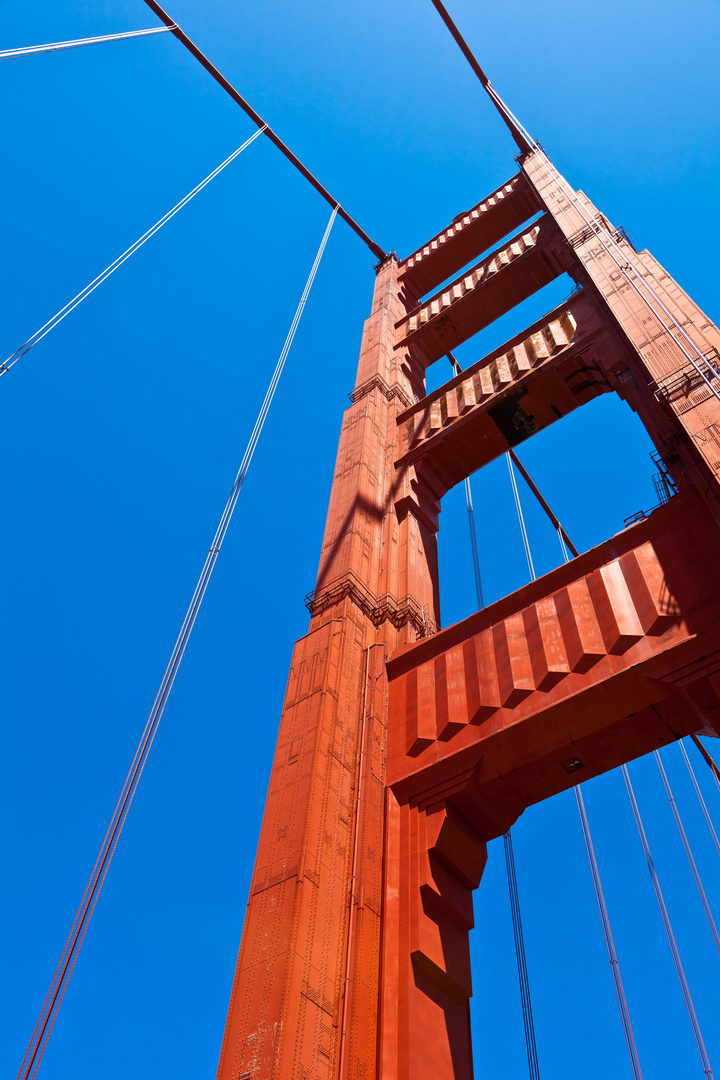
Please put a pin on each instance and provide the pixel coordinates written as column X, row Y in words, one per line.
column 606, row 658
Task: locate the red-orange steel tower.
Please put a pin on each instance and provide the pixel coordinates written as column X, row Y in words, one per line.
column 404, row 748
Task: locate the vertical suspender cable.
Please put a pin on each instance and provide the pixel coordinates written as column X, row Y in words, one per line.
column 510, row 862
column 668, row 927
column 614, row 966
column 525, row 999
column 604, row 918
column 594, row 869
column 533, row 1066
column 473, row 545
column 521, row 519
column 688, row 852
column 565, row 541
column 84, row 293
column 76, row 43
column 698, row 792
column 563, row 548
column 58, row 986
column 471, row 518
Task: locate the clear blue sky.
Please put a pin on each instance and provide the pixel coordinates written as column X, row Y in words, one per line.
column 123, row 429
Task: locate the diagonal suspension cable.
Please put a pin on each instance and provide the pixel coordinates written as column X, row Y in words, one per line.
column 266, row 129
column 56, row 46
column 58, row 986
column 84, row 293
column 688, row 852
column 698, row 792
column 610, row 944
column 668, row 927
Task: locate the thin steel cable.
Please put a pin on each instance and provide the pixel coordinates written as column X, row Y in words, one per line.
column 43, row 1028
column 604, row 917
column 474, row 545
column 530, row 1044
column 84, row 293
column 688, row 852
column 523, row 980
column 668, row 927
column 605, row 920
column 471, row 517
column 77, row 43
column 521, row 519
column 566, row 542
column 566, row 557
column 699, row 794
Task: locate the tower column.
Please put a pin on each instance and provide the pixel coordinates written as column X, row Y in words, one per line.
column 305, row 994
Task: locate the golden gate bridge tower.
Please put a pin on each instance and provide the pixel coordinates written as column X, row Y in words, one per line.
column 404, row 746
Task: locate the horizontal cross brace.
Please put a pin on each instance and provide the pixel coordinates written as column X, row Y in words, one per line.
column 537, row 377
column 468, row 235
column 604, row 659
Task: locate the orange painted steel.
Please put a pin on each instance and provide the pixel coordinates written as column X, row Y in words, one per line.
column 404, row 747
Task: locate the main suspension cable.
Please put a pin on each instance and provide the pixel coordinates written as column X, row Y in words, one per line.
column 708, row 760
column 265, row 128
column 668, row 927
column 56, row 46
column 688, row 852
column 58, row 986
column 610, row 944
column 530, row 1043
column 84, row 293
column 699, row 794
column 518, row 132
